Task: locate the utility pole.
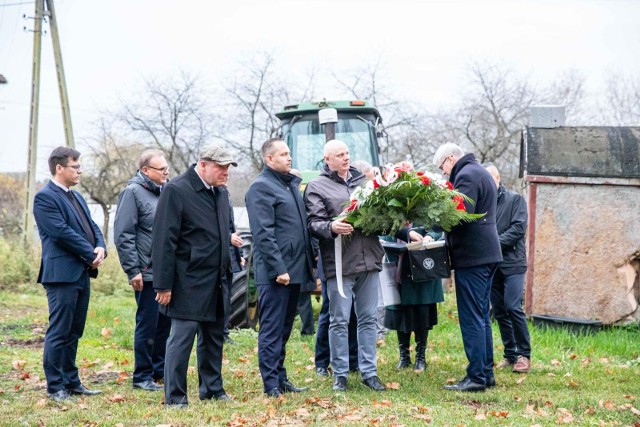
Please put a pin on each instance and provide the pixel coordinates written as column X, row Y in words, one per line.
column 27, row 224
column 40, row 15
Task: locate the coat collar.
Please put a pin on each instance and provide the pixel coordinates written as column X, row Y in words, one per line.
column 461, row 163
column 287, row 179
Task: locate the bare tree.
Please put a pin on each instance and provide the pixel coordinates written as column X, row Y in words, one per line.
column 568, row 90
column 108, row 165
column 620, row 105
column 172, row 115
column 253, row 96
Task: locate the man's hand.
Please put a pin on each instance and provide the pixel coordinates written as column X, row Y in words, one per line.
column 340, row 227
column 163, row 297
column 136, row 282
column 236, row 240
column 242, row 261
column 414, row 236
column 283, row 279
column 100, row 253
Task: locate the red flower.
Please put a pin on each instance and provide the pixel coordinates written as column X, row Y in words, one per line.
column 425, row 180
column 375, row 183
column 449, row 185
column 419, row 173
column 460, row 201
column 353, row 205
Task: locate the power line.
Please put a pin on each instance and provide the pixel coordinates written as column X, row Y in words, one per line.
column 17, row 4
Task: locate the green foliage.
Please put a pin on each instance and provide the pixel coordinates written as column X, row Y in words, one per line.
column 19, row 264
column 413, row 197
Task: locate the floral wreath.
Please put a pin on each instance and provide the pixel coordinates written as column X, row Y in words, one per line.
column 399, row 195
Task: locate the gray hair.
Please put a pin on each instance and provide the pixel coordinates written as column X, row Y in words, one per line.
column 362, row 165
column 446, row 150
column 332, row 146
column 148, row 154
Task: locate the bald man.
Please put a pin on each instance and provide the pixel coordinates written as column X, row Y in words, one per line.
column 325, row 197
column 508, row 283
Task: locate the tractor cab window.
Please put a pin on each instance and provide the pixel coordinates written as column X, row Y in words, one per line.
column 306, row 141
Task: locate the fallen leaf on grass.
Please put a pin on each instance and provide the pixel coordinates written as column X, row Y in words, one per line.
column 117, row 398
column 243, row 360
column 521, row 379
column 382, row 403
column 500, row 414
column 352, row 417
column 607, row 404
column 590, row 410
column 573, row 356
column 480, row 415
column 629, row 396
column 393, row 386
column 271, row 411
column 556, row 362
column 450, row 381
column 41, row 403
column 24, row 375
column 635, row 411
column 423, row 417
column 302, row 412
column 308, row 380
column 108, row 365
column 310, row 367
column 422, row 409
column 106, row 332
column 18, row 364
column 573, row 384
column 564, row 416
column 604, row 360
column 122, row 377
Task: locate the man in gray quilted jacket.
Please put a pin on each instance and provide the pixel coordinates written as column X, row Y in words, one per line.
column 132, row 234
column 326, row 197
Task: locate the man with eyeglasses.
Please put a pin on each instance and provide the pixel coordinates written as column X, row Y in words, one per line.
column 475, row 252
column 132, row 235
column 72, row 250
column 190, row 254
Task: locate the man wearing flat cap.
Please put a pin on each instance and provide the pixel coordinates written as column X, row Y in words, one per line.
column 190, row 256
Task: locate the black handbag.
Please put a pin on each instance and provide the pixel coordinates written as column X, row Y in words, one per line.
column 430, row 261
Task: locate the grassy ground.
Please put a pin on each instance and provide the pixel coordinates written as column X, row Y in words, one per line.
column 588, row 380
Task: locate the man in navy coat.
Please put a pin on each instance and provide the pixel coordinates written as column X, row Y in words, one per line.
column 475, row 252
column 283, row 259
column 190, row 257
column 72, row 250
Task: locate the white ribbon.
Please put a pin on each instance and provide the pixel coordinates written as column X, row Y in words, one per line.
column 338, row 256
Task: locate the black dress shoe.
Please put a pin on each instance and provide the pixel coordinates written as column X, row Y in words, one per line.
column 288, row 387
column 224, row 397
column 323, row 372
column 340, row 384
column 466, row 385
column 81, row 389
column 148, row 385
column 374, row 383
column 491, row 382
column 59, row 396
column 274, row 392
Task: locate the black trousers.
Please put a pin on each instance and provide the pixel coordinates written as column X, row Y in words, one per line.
column 208, row 353
column 68, row 305
column 150, row 338
column 506, row 299
column 305, row 310
column 277, row 305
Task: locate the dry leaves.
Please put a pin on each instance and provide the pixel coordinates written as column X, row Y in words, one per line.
column 18, row 364
column 106, row 332
column 116, row 398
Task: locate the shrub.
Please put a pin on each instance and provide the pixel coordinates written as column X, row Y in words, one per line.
column 19, row 264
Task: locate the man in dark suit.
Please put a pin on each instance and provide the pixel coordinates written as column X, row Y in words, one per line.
column 283, row 259
column 72, row 250
column 190, row 253
column 475, row 252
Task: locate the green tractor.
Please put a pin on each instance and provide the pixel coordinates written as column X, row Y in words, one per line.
column 305, row 127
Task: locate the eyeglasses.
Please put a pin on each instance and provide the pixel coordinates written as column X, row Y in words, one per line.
column 75, row 167
column 163, row 170
column 443, row 162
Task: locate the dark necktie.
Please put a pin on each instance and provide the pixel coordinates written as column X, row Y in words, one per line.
column 84, row 222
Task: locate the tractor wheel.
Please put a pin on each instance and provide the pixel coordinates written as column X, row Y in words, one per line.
column 244, row 293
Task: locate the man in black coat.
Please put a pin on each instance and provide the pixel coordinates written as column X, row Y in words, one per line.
column 508, row 282
column 72, row 250
column 283, row 259
column 190, row 258
column 474, row 248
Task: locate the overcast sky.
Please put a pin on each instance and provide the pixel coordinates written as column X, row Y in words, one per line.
column 108, row 46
